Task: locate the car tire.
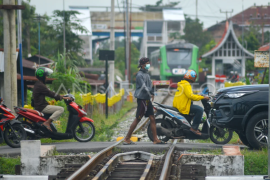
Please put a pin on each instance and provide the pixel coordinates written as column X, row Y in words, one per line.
column 244, row 140
column 257, row 138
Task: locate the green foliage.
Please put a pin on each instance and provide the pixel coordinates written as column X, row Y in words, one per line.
column 158, row 6
column 204, row 49
column 67, row 77
column 120, row 60
column 255, row 161
column 7, row 165
column 247, row 81
column 251, row 42
column 195, row 34
column 104, row 127
column 72, row 24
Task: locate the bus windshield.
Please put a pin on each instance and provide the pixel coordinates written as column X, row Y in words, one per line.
column 179, row 56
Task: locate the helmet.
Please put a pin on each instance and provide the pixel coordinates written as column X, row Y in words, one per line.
column 42, row 72
column 190, row 75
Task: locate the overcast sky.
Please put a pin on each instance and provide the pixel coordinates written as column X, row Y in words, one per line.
column 208, row 10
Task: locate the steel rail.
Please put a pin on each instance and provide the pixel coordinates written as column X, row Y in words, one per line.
column 167, row 163
column 89, row 165
column 112, row 163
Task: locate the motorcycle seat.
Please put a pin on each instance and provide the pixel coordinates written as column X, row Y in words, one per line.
column 167, row 107
column 34, row 112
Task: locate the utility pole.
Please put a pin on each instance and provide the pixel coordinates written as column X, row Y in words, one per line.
column 112, row 41
column 127, row 41
column 129, row 58
column 226, row 12
column 64, row 33
column 196, row 9
column 10, row 72
column 19, row 20
column 38, row 18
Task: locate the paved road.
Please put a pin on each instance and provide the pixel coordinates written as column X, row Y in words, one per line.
column 77, row 147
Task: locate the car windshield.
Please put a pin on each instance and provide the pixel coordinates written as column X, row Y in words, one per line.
column 179, row 56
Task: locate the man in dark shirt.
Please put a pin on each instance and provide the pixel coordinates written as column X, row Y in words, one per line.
column 40, row 91
column 144, row 92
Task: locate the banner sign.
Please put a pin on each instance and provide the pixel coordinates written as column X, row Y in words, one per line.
column 261, row 59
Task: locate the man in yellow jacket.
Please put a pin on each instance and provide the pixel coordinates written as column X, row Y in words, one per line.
column 184, row 96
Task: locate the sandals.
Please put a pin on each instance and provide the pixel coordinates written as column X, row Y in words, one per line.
column 131, row 143
column 197, row 132
column 47, row 127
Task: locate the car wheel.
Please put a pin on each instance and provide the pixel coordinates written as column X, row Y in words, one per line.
column 257, row 130
column 244, row 140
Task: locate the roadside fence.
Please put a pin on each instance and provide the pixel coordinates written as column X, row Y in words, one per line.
column 97, row 102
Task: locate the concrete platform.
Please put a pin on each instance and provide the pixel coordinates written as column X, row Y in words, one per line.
column 77, row 147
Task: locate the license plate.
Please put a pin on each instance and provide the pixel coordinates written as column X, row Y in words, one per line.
column 179, row 71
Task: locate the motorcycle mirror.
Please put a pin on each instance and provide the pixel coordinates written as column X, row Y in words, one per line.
column 68, row 91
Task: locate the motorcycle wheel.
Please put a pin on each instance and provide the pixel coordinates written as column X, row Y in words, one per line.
column 218, row 137
column 10, row 137
column 162, row 123
column 87, row 135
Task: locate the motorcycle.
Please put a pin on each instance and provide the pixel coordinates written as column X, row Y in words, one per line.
column 79, row 126
column 174, row 125
column 11, row 130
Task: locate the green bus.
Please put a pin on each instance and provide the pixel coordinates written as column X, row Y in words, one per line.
column 171, row 61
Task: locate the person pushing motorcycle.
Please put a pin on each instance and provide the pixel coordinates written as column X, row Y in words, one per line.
column 183, row 97
column 40, row 91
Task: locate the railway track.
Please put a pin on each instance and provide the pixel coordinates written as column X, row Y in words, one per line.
column 107, row 164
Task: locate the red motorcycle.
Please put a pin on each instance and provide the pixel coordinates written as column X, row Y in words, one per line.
column 79, row 127
column 11, row 130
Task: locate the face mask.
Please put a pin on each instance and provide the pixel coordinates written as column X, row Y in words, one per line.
column 147, row 66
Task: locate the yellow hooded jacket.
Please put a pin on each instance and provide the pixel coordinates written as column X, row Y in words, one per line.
column 183, row 96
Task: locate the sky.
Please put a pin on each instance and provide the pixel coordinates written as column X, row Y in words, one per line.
column 208, row 10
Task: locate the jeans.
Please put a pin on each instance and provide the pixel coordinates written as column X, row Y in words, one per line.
column 198, row 111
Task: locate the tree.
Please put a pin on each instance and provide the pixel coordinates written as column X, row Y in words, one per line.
column 194, row 33
column 72, row 26
column 250, row 41
column 158, row 6
column 204, row 49
column 120, row 60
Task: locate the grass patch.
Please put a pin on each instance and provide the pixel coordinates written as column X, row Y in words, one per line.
column 234, row 139
column 256, row 161
column 104, row 127
column 7, row 164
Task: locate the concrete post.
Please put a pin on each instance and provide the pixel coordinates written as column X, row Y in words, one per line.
column 112, row 39
column 1, row 84
column 10, row 74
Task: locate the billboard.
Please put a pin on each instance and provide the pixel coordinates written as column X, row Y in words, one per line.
column 261, row 59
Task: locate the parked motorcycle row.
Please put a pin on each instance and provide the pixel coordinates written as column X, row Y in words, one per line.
column 27, row 125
